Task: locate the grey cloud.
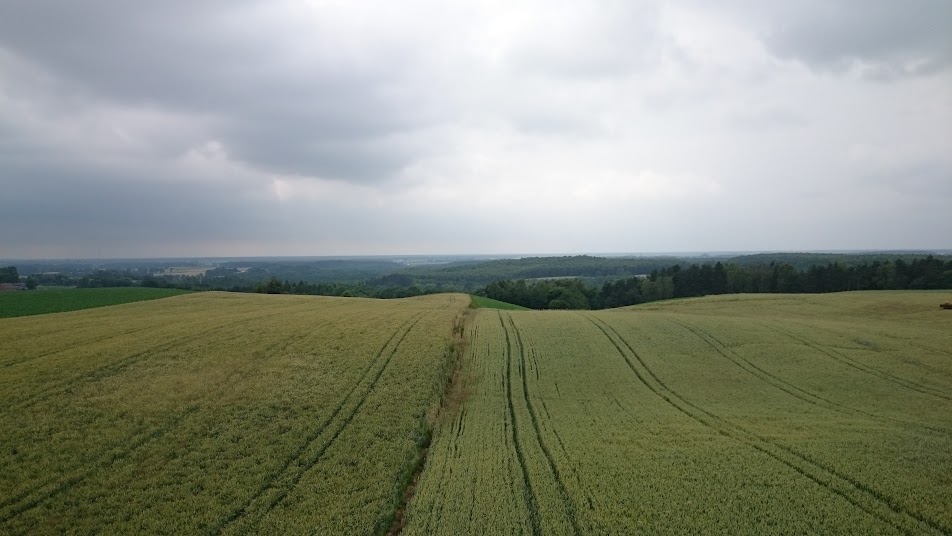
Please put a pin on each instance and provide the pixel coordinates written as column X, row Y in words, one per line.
column 325, row 116
column 462, row 126
column 896, row 38
column 47, row 202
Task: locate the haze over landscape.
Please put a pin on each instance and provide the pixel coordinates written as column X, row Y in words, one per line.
column 348, row 128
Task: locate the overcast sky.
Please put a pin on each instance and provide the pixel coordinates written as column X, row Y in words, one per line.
column 227, row 128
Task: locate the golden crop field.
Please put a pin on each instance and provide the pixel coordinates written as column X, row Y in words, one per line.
column 764, row 414
column 218, row 413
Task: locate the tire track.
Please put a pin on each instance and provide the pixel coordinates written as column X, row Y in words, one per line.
column 862, row 367
column 860, row 495
column 126, row 362
column 528, row 495
column 911, row 342
column 775, row 381
column 31, row 498
column 114, row 335
column 792, row 389
column 553, row 468
column 201, row 314
column 274, row 490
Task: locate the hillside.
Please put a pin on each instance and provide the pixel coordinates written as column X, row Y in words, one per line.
column 759, row 414
column 219, row 413
column 237, row 413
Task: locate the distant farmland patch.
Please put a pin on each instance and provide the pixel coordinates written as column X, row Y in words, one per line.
column 185, row 270
column 58, row 300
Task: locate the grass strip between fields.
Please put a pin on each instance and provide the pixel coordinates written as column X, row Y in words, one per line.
column 482, row 302
column 452, row 397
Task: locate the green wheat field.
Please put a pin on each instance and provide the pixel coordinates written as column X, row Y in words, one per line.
column 215, row 413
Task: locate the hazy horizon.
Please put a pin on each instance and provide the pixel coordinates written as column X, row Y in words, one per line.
column 483, row 256
column 323, row 128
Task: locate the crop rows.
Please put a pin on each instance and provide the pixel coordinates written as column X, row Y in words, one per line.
column 718, row 415
column 218, row 413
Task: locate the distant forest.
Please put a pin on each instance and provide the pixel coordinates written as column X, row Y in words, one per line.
column 575, row 282
column 719, row 278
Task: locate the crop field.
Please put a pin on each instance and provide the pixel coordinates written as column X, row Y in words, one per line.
column 217, row 413
column 764, row 414
column 58, row 300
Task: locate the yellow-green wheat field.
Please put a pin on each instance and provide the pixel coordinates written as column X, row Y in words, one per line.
column 219, row 413
column 759, row 414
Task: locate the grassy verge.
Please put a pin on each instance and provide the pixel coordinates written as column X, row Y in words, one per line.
column 481, row 302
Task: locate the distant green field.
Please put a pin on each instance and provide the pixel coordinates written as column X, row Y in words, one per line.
column 482, row 302
column 37, row 302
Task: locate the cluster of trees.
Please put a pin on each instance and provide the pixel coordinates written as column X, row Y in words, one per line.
column 107, row 278
column 472, row 275
column 719, row 278
column 9, row 274
column 363, row 290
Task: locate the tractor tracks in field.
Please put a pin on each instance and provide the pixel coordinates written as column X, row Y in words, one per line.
column 764, row 376
column 48, row 489
column 512, row 335
column 862, row 367
column 791, row 389
column 280, row 483
column 128, row 361
column 113, row 335
column 553, row 468
column 29, row 499
column 860, row 495
column 528, row 495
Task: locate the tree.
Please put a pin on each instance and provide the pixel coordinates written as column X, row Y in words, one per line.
column 9, row 275
column 273, row 286
column 31, row 283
